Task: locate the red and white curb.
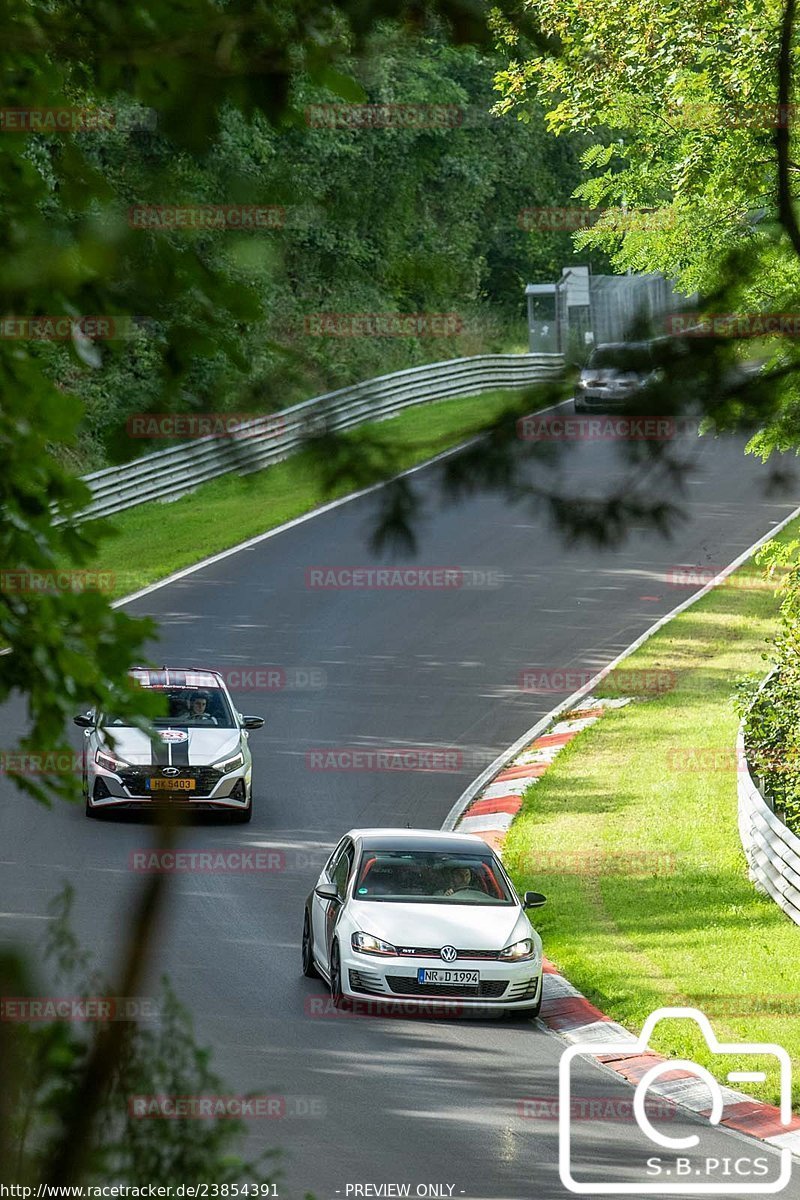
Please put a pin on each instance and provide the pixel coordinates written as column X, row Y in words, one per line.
column 568, row 1013
column 488, row 809
column 499, row 798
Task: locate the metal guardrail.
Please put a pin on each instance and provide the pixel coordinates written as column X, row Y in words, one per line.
column 772, row 850
column 168, row 474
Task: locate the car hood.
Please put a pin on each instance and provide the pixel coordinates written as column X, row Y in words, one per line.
column 198, row 747
column 465, row 926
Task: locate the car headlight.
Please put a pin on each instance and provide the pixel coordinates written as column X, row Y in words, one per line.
column 108, row 761
column 519, row 950
column 365, row 943
column 230, row 764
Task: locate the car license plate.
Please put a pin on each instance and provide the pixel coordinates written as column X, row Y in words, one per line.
column 453, row 978
column 171, row 785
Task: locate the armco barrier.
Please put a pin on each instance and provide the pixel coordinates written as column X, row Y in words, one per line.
column 259, row 443
column 772, row 850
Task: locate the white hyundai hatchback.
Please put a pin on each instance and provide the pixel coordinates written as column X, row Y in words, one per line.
column 426, row 917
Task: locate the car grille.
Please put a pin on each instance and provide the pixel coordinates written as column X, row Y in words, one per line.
column 365, row 981
column 525, row 990
column 136, row 782
column 406, row 985
column 433, row 952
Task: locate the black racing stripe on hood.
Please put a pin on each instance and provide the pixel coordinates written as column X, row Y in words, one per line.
column 180, row 753
column 159, row 753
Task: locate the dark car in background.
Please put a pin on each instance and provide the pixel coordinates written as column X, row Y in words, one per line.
column 614, row 374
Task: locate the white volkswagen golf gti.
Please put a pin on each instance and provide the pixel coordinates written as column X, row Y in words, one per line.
column 424, row 916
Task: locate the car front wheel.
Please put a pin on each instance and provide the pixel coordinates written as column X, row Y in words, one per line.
column 242, row 816
column 309, row 966
column 336, row 978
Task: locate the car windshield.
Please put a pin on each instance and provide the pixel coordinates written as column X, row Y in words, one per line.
column 425, row 877
column 187, row 708
column 636, row 356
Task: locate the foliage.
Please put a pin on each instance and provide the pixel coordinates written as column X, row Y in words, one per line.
column 680, row 104
column 160, row 1058
column 435, row 230
column 771, row 710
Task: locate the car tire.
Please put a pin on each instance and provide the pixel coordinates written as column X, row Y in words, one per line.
column 92, row 813
column 309, row 966
column 339, row 1000
column 579, row 408
column 242, row 816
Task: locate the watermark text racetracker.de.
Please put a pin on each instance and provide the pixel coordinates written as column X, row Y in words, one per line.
column 51, row 581
column 386, row 758
column 384, row 116
column 588, row 863
column 573, row 218
column 593, row 1108
column 209, row 861
column 259, row 860
column 686, row 576
column 433, row 578
column 240, row 217
column 382, row 324
column 82, row 1009
column 322, row 1007
column 75, row 119
column 570, row 679
column 179, row 426
column 733, row 325
column 547, row 427
column 273, row 678
column 699, row 760
column 56, row 761
column 58, row 327
column 207, row 1107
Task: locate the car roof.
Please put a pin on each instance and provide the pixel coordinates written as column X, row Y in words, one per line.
column 435, row 840
column 176, row 677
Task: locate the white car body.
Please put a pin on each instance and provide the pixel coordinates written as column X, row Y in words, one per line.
column 196, row 764
column 440, row 934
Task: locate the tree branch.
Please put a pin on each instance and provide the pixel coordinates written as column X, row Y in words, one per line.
column 786, row 211
column 73, row 1148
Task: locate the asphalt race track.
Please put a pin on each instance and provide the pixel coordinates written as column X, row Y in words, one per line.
column 376, row 1100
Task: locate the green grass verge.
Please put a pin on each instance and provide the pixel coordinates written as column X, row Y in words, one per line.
column 163, row 538
column 649, row 903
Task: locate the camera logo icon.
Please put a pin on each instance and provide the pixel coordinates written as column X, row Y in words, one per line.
column 684, row 1175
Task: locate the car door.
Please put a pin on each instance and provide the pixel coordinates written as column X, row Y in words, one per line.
column 325, row 912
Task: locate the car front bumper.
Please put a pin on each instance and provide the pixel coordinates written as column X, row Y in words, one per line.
column 603, row 399
column 125, row 790
column 504, row 986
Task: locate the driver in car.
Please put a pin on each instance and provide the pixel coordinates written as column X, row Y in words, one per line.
column 198, row 709
column 460, row 880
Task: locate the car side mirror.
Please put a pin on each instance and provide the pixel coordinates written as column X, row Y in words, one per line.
column 533, row 900
column 252, row 722
column 326, row 891
column 83, row 721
